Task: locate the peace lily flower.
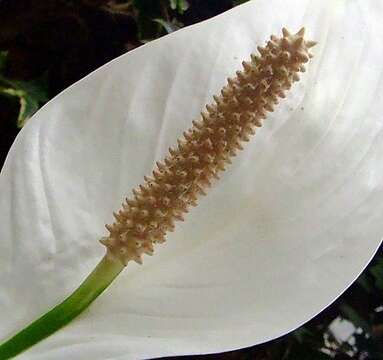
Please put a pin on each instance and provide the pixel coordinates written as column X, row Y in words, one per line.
column 288, row 228
column 201, row 154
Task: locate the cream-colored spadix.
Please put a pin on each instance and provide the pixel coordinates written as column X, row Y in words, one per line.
column 207, row 147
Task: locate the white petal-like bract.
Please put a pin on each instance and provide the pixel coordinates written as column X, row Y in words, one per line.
column 286, row 230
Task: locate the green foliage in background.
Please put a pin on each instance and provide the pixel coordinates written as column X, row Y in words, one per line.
column 30, row 94
column 46, row 45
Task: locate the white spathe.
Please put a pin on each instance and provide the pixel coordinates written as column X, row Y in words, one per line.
column 288, row 228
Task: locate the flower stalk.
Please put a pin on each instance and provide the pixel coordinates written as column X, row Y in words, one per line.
column 185, row 174
column 99, row 279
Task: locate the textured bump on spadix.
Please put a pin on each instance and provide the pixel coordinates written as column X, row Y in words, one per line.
column 206, row 148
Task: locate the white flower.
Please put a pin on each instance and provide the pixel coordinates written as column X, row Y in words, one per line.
column 283, row 233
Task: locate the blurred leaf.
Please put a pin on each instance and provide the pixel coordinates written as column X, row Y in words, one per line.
column 3, row 60
column 355, row 318
column 147, row 11
column 377, row 272
column 169, row 26
column 368, row 347
column 364, row 282
column 239, row 2
column 305, row 352
column 180, row 5
column 31, row 95
column 301, row 334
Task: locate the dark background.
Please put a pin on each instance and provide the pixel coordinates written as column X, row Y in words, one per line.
column 46, row 45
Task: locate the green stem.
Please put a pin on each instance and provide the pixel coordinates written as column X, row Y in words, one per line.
column 100, row 278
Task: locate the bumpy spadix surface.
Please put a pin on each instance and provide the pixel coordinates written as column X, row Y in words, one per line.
column 283, row 232
column 207, row 147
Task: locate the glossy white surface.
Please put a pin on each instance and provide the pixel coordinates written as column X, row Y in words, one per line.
column 290, row 226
